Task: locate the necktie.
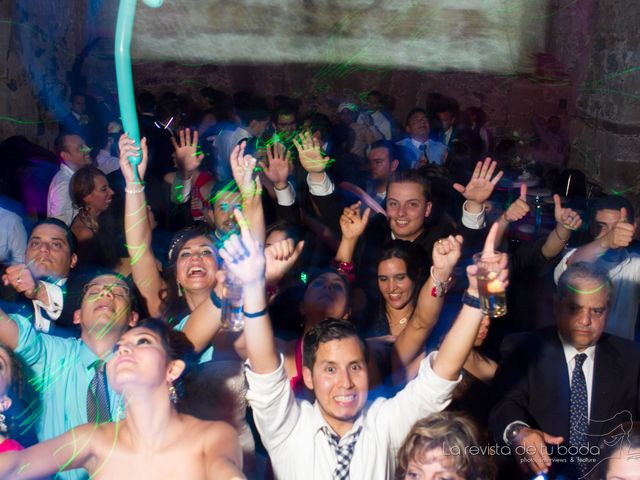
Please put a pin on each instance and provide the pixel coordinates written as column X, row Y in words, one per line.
column 344, row 452
column 578, row 407
column 98, row 395
column 423, row 150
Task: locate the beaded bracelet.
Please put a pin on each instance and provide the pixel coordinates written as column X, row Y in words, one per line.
column 439, row 287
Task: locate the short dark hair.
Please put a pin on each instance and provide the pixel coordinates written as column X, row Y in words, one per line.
column 391, row 148
column 319, row 122
column 412, row 112
column 448, row 104
column 68, row 234
column 326, row 331
column 60, row 143
column 613, row 202
column 412, row 176
column 255, row 112
column 583, row 270
column 286, row 110
column 147, row 102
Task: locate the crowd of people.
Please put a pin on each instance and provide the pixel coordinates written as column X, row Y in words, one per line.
column 257, row 291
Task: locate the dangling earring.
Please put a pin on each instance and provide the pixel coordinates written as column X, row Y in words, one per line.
column 179, row 289
column 173, row 395
column 3, row 425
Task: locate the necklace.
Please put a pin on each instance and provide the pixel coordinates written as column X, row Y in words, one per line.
column 88, row 222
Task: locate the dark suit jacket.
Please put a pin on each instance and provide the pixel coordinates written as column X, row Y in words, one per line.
column 532, row 384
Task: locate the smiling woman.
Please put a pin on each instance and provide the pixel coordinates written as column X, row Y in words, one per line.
column 146, row 367
column 94, row 225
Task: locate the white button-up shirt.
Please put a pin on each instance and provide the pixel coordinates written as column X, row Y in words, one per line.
column 291, row 430
column 59, row 203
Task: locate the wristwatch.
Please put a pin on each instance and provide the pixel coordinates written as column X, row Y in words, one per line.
column 470, row 300
column 512, row 431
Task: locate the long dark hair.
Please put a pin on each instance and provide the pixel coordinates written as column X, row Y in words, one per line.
column 174, row 306
column 415, row 264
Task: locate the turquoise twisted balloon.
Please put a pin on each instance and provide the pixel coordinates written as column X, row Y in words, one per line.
column 124, row 29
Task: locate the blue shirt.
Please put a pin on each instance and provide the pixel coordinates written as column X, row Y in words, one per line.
column 410, row 152
column 61, row 369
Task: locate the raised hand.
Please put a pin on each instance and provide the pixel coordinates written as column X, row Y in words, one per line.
column 482, row 182
column 243, row 167
column 280, row 257
column 446, row 253
column 128, row 149
column 21, row 280
column 310, row 153
column 352, row 223
column 243, row 255
column 565, row 216
column 279, row 165
column 518, row 209
column 188, row 156
column 621, row 235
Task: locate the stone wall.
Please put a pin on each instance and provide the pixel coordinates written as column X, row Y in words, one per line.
column 38, row 54
column 41, row 53
column 591, row 62
column 599, row 42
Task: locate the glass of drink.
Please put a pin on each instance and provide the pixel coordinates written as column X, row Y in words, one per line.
column 231, row 318
column 493, row 300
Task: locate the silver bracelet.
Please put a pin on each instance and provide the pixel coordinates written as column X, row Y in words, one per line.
column 134, row 191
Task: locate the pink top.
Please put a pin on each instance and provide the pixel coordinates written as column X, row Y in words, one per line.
column 9, row 445
column 297, row 383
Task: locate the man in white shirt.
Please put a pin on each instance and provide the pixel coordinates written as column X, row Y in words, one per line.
column 73, row 154
column 373, row 106
column 42, row 279
column 612, row 227
column 383, row 162
column 339, row 435
column 562, row 388
column 254, row 122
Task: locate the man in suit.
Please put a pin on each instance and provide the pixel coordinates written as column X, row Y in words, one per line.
column 417, row 148
column 42, row 281
column 562, row 388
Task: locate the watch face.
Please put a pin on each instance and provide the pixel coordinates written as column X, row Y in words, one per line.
column 514, row 431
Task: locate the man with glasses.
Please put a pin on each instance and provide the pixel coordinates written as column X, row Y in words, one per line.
column 68, row 373
column 42, row 279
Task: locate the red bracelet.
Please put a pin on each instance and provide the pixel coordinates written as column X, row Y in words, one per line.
column 345, row 268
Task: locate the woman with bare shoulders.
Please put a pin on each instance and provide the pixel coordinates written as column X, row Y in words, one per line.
column 154, row 440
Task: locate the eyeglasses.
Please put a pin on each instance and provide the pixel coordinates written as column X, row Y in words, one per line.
column 93, row 290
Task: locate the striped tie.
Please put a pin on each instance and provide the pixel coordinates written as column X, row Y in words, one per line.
column 98, row 395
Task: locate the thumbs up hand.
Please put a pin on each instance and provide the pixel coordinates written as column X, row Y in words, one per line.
column 518, row 209
column 620, row 235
